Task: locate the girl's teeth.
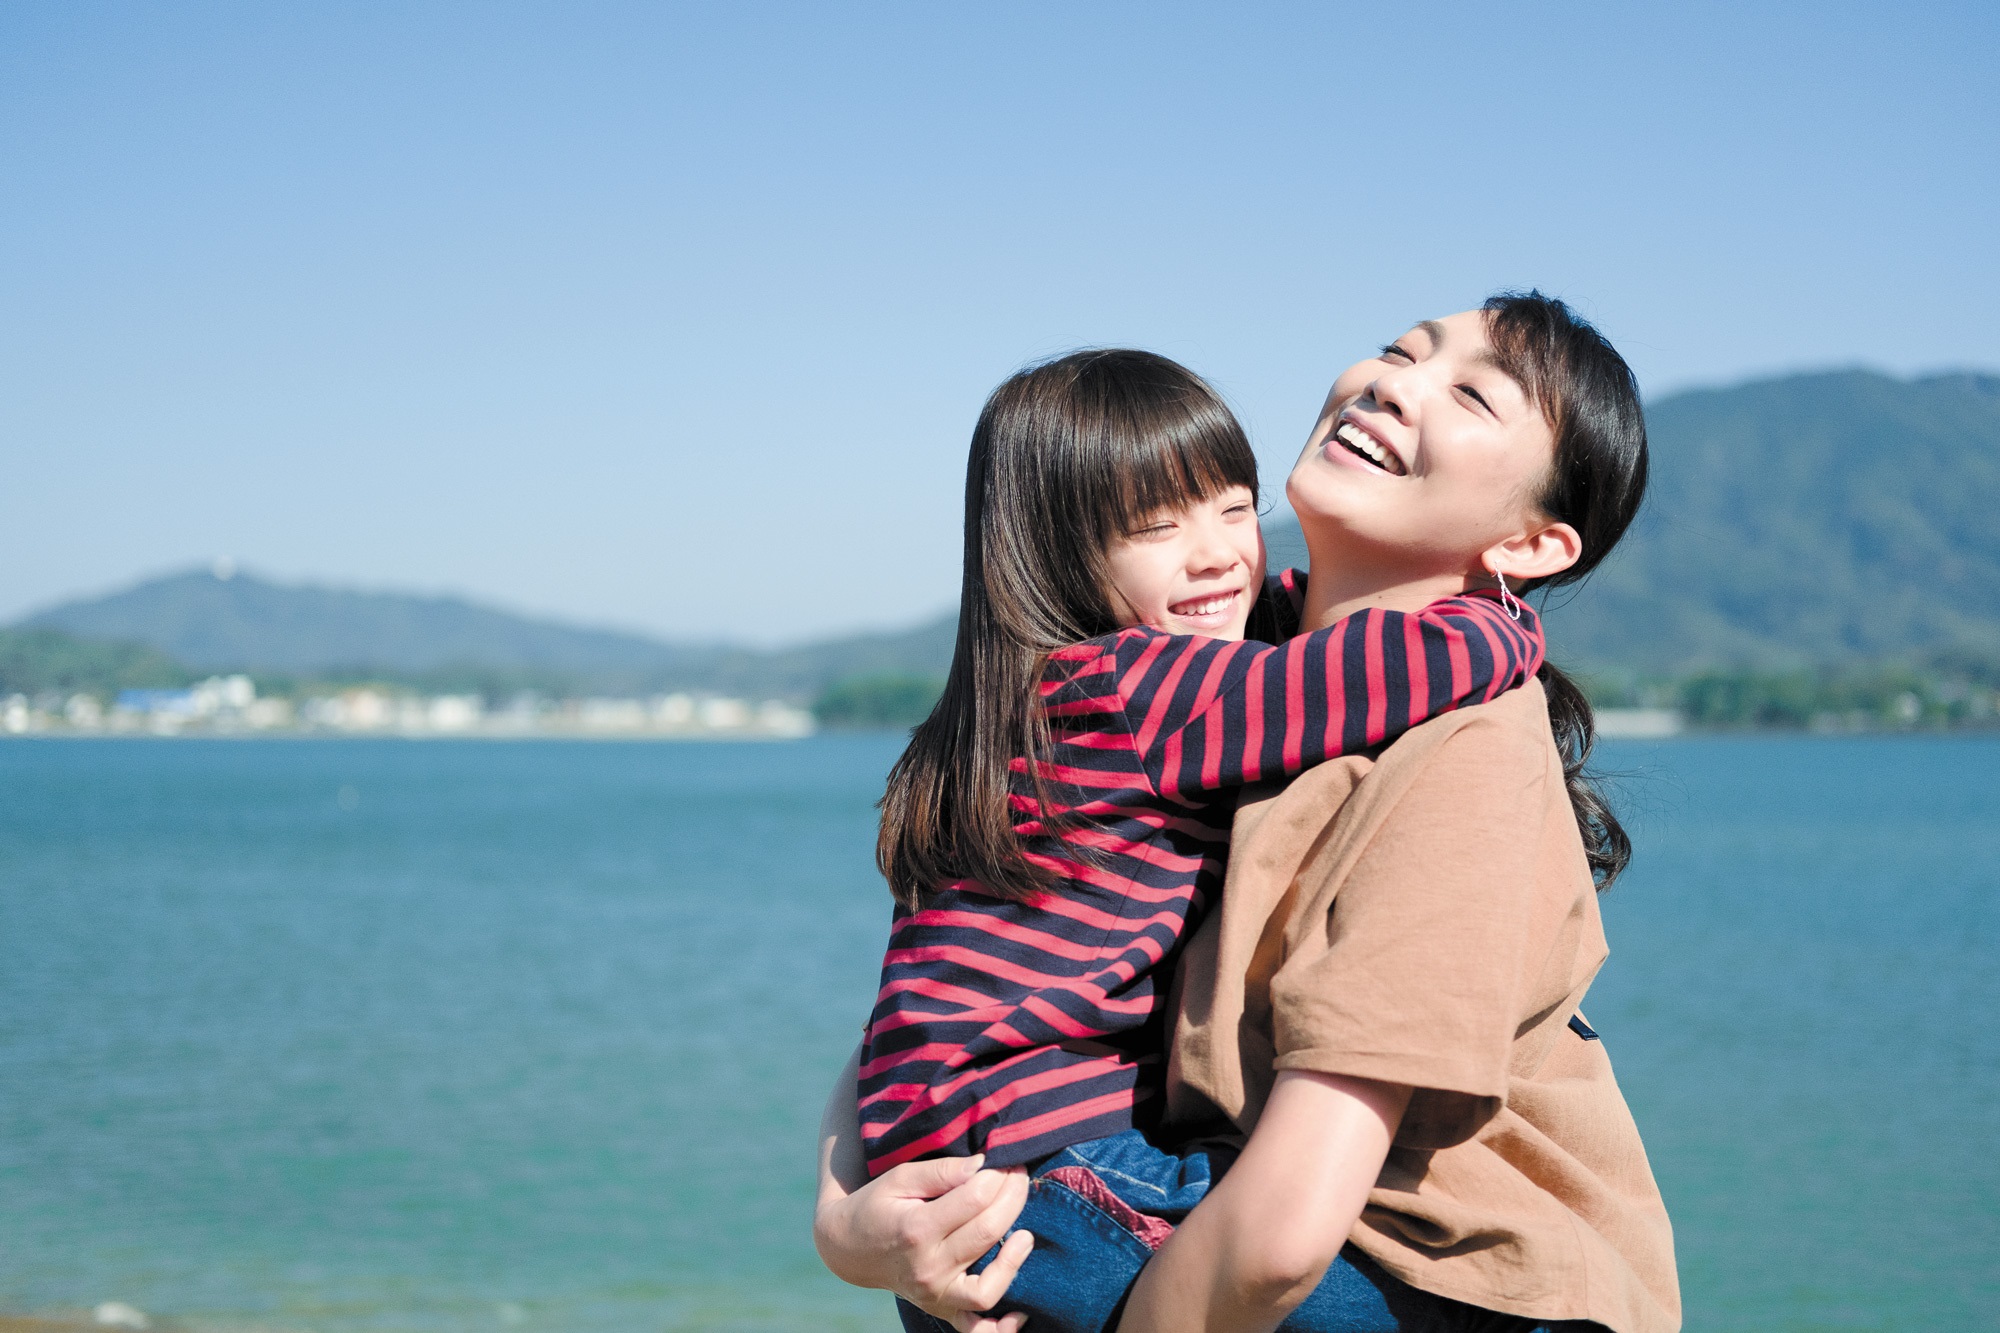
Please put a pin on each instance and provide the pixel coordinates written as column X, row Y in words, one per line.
column 1207, row 608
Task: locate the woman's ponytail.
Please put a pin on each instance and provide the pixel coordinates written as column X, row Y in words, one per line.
column 1596, row 485
column 1604, row 840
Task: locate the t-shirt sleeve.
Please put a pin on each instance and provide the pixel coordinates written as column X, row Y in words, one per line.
column 1418, row 969
column 1207, row 714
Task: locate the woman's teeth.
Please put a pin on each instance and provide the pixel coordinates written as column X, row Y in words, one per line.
column 1206, row 606
column 1362, row 443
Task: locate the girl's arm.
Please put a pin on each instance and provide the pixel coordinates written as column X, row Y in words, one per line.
column 1207, row 714
column 916, row 1228
column 1259, row 1243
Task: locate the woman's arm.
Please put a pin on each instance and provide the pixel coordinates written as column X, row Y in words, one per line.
column 915, row 1229
column 1259, row 1243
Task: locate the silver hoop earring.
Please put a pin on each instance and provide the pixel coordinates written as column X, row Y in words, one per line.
column 1508, row 601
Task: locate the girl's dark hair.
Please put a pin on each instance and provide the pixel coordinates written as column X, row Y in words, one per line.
column 1591, row 401
column 1067, row 457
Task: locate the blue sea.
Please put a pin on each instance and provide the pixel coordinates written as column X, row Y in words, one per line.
column 380, row 1035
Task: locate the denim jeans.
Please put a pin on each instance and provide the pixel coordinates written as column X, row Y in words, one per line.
column 1098, row 1210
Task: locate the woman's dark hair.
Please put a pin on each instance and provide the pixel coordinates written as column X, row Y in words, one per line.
column 1591, row 401
column 1067, row 457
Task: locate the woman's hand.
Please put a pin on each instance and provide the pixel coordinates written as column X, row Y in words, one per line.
column 916, row 1228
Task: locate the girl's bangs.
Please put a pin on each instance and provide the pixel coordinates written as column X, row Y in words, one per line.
column 1168, row 469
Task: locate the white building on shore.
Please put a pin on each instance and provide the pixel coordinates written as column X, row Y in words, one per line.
column 230, row 705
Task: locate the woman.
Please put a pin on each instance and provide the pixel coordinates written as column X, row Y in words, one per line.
column 1387, row 1001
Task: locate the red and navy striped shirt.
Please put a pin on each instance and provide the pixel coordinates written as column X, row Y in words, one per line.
column 1019, row 1028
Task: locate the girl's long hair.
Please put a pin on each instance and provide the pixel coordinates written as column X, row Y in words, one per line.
column 1591, row 401
column 1067, row 457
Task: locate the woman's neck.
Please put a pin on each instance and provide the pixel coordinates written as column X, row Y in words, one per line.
column 1337, row 586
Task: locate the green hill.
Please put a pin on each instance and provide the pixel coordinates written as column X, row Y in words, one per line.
column 242, row 622
column 200, row 622
column 1812, row 519
column 44, row 661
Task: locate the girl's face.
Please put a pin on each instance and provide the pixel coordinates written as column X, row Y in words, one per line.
column 1196, row 570
column 1427, row 456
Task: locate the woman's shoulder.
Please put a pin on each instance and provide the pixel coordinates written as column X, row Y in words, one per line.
column 1489, row 767
column 1492, row 780
column 1513, row 729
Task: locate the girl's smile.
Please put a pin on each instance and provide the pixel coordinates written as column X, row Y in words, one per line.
column 1216, row 605
column 1194, row 570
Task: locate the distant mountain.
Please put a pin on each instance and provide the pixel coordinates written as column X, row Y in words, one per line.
column 244, row 623
column 1809, row 520
column 241, row 622
column 1816, row 518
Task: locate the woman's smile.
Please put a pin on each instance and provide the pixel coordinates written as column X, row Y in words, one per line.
column 1352, row 437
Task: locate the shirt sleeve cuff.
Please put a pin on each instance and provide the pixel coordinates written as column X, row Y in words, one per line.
column 1449, row 1103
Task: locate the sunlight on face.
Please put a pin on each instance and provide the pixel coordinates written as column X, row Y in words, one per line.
column 1196, row 570
column 1427, row 453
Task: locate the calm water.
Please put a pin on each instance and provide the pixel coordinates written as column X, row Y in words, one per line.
column 346, row 1036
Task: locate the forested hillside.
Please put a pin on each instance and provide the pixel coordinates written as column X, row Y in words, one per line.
column 201, row 622
column 1818, row 518
column 227, row 621
column 37, row 661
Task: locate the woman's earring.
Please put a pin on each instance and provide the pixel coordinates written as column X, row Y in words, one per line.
column 1508, row 601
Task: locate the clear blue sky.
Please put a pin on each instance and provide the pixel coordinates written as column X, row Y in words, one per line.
column 678, row 318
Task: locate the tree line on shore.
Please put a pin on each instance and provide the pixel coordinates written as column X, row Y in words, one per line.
column 1944, row 691
column 1896, row 696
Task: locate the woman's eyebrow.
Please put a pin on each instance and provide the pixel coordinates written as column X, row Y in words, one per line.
column 1506, row 366
column 1489, row 357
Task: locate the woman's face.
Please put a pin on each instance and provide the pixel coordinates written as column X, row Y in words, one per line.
column 1191, row 571
column 1428, row 453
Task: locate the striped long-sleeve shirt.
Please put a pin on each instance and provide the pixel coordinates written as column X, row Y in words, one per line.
column 1019, row 1028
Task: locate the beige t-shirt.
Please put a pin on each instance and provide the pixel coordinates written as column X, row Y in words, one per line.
column 1427, row 918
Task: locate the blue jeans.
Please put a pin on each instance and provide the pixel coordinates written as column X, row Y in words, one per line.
column 1098, row 1210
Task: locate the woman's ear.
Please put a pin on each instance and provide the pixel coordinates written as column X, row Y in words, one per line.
column 1539, row 553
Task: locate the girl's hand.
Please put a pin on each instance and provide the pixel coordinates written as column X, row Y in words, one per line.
column 916, row 1228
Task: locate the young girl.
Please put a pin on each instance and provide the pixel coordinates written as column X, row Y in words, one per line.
column 1064, row 812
